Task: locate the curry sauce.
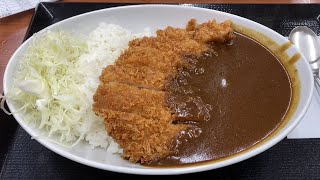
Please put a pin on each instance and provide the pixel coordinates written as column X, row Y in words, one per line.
column 247, row 92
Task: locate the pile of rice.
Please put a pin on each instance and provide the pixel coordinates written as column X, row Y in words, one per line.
column 55, row 82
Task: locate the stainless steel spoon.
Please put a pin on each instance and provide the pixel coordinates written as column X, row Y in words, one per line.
column 307, row 42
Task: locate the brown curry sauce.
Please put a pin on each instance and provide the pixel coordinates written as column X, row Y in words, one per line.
column 250, row 93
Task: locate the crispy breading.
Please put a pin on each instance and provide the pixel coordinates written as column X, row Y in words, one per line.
column 132, row 96
column 204, row 33
column 165, row 62
column 172, row 40
column 126, row 98
column 140, row 76
column 144, row 139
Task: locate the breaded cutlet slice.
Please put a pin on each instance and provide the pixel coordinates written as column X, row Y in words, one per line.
column 142, row 139
column 211, row 31
column 141, row 76
column 126, row 98
column 165, row 62
column 191, row 40
column 166, row 42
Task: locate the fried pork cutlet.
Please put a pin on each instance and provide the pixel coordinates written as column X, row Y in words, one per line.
column 168, row 41
column 204, row 32
column 140, row 76
column 165, row 62
column 133, row 95
column 131, row 99
column 143, row 139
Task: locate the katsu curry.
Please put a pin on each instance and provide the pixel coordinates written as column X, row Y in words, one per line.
column 193, row 94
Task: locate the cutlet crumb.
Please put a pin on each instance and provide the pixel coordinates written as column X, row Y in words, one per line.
column 126, row 98
column 140, row 76
column 132, row 93
column 143, row 139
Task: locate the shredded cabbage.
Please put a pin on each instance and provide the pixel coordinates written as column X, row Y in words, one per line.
column 56, row 79
column 48, row 87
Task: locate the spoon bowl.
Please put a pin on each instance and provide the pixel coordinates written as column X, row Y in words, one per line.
column 307, row 42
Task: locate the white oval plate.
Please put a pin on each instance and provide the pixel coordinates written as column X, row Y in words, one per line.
column 136, row 18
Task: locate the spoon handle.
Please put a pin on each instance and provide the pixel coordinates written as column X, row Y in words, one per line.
column 317, row 83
